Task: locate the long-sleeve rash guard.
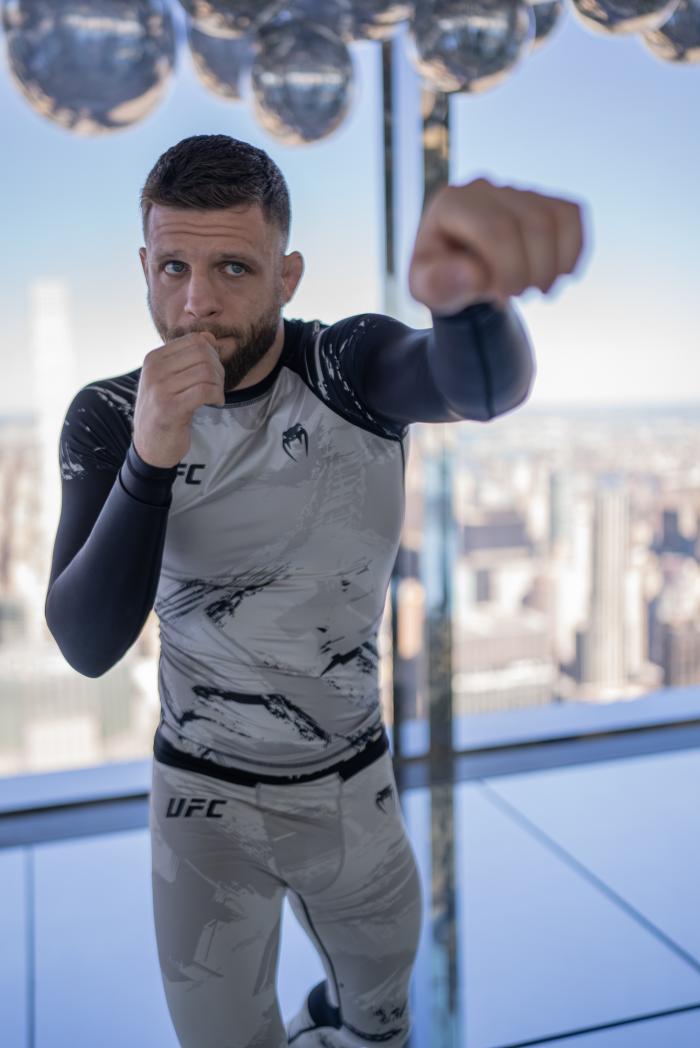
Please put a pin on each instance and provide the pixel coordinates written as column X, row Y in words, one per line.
column 268, row 550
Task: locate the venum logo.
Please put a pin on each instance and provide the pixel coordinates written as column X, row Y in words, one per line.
column 295, row 436
column 190, row 806
column 382, row 796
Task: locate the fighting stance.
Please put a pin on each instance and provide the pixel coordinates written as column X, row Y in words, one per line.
column 247, row 481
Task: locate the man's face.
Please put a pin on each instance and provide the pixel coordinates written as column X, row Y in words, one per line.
column 219, row 271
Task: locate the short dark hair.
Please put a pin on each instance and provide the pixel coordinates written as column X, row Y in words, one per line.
column 217, row 171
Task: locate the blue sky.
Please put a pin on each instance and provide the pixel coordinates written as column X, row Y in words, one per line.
column 587, row 117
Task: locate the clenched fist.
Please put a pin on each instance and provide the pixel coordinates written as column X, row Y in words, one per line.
column 176, row 379
column 480, row 242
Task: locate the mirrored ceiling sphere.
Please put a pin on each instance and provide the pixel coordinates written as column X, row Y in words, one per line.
column 678, row 39
column 547, row 14
column 230, row 18
column 335, row 15
column 622, row 16
column 92, row 67
column 301, row 80
column 220, row 63
column 469, row 45
column 379, row 19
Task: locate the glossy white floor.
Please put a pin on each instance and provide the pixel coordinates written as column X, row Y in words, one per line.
column 577, row 921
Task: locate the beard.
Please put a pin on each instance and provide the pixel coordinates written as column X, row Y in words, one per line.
column 251, row 344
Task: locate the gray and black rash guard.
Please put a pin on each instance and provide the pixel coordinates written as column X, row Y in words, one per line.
column 268, row 551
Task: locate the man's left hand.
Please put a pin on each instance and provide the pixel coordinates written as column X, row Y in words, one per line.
column 481, row 242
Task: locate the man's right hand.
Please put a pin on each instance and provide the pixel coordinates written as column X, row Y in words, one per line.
column 176, row 379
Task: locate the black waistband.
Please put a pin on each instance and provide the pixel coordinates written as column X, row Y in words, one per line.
column 164, row 752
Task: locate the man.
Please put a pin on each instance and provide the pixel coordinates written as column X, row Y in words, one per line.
column 247, row 483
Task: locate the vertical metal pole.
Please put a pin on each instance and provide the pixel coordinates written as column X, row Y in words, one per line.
column 392, row 308
column 390, row 278
column 436, row 139
column 436, row 131
column 444, row 1007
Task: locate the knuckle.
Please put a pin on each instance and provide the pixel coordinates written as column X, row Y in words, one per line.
column 576, row 213
column 500, row 224
column 539, row 221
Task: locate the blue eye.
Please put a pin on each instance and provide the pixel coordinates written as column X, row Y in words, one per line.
column 231, row 262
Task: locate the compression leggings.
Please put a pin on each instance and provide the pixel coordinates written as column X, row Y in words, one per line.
column 223, row 857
